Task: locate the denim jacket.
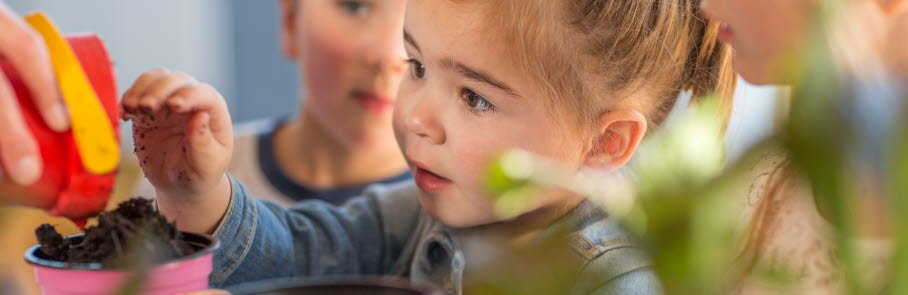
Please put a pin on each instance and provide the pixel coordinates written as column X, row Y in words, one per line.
column 386, row 232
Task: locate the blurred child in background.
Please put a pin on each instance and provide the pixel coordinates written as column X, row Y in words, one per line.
column 350, row 56
column 351, row 59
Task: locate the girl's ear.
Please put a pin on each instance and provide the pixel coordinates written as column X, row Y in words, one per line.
column 619, row 133
column 289, row 31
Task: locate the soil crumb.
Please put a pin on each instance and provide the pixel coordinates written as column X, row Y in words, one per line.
column 133, row 234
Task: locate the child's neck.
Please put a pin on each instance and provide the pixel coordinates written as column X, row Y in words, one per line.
column 310, row 155
column 526, row 228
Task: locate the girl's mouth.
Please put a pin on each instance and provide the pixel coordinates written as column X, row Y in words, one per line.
column 373, row 102
column 429, row 181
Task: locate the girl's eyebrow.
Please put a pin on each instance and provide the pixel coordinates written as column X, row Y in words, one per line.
column 409, row 40
column 477, row 75
column 467, row 72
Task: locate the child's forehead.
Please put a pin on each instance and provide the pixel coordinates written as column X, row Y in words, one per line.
column 515, row 47
column 453, row 32
column 446, row 17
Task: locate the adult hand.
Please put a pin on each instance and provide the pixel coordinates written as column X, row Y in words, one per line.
column 25, row 50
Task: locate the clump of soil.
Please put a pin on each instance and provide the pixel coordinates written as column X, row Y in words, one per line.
column 133, row 234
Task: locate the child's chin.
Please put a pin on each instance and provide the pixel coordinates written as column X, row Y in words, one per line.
column 460, row 222
column 448, row 215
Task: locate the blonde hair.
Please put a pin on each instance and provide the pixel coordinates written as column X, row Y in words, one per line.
column 603, row 50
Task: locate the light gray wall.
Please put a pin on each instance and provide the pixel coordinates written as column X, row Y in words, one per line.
column 266, row 83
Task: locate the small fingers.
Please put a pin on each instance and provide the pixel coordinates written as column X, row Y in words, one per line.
column 130, row 100
column 204, row 98
column 194, row 97
column 162, row 89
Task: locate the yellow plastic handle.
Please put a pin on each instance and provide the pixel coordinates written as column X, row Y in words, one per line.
column 91, row 127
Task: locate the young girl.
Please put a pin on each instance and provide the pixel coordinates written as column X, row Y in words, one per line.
column 576, row 81
column 350, row 56
column 787, row 231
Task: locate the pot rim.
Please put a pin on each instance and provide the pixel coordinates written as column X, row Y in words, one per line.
column 273, row 285
column 34, row 260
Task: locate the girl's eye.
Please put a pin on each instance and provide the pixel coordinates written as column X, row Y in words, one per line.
column 475, row 101
column 354, row 7
column 417, row 69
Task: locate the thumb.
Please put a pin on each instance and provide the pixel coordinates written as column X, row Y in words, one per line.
column 198, row 130
column 202, row 145
column 205, row 154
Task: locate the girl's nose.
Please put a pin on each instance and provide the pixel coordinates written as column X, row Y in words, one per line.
column 422, row 121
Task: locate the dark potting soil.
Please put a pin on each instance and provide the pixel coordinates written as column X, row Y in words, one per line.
column 132, row 235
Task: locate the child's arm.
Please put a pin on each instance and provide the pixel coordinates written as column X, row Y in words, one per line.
column 262, row 240
column 183, row 140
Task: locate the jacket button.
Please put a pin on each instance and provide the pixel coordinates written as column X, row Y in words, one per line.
column 436, row 252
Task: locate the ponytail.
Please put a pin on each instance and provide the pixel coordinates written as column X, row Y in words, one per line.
column 709, row 67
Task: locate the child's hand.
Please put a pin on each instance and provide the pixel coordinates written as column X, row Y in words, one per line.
column 183, row 139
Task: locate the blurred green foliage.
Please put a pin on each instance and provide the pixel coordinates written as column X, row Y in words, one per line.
column 684, row 202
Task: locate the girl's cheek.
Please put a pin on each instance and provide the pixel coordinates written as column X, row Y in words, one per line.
column 326, row 63
column 472, row 157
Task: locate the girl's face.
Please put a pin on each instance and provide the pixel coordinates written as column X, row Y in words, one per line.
column 461, row 103
column 351, row 57
column 764, row 33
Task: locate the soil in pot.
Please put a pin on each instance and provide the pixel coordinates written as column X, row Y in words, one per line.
column 132, row 235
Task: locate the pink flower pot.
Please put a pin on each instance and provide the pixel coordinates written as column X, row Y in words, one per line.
column 185, row 274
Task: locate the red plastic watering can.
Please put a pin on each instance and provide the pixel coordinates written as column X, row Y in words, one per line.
column 80, row 164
